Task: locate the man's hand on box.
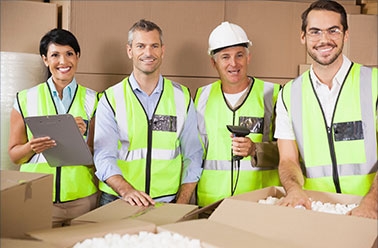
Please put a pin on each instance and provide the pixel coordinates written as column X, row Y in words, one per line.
column 295, row 198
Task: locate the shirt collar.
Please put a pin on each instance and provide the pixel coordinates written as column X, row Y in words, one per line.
column 339, row 77
column 135, row 86
column 71, row 87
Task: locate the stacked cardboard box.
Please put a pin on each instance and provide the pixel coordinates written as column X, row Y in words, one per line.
column 26, row 203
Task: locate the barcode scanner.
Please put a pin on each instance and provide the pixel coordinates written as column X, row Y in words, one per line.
column 238, row 131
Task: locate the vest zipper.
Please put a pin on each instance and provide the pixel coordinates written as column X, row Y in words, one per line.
column 57, row 184
column 148, row 159
column 335, row 173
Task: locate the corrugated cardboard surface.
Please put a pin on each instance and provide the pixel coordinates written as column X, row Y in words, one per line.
column 162, row 213
column 26, row 203
column 23, row 23
column 65, row 237
column 21, row 243
column 185, row 24
column 362, row 46
column 213, row 234
column 304, row 228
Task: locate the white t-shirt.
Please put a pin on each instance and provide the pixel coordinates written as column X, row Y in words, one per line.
column 232, row 99
column 327, row 98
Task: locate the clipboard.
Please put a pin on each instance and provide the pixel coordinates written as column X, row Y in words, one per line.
column 70, row 149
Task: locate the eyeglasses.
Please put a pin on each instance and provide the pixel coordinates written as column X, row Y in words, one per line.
column 317, row 34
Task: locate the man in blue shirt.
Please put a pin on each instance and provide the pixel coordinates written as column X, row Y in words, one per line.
column 146, row 146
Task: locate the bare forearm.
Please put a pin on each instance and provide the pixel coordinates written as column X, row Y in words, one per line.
column 186, row 192
column 21, row 153
column 291, row 176
column 119, row 185
column 371, row 198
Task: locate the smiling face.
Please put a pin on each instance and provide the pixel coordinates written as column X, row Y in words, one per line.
column 232, row 64
column 146, row 51
column 62, row 62
column 326, row 50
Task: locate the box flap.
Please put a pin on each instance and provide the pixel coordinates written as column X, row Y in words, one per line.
column 17, row 243
column 302, row 226
column 214, row 234
column 68, row 236
column 12, row 178
column 161, row 213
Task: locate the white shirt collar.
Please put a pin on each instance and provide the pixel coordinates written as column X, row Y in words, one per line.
column 339, row 77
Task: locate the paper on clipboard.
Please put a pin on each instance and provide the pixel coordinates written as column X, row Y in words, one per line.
column 70, row 149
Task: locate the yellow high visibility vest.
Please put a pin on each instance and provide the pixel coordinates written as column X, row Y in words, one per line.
column 341, row 157
column 150, row 157
column 70, row 182
column 256, row 113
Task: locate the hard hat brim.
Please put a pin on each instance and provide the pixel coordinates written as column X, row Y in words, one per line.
column 244, row 44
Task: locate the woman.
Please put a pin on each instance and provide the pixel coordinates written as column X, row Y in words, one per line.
column 75, row 190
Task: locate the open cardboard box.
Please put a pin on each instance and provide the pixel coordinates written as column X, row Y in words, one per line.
column 160, row 214
column 65, row 237
column 220, row 236
column 26, row 202
column 289, row 227
column 21, row 243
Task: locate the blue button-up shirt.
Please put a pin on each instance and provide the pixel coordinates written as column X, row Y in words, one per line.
column 106, row 137
column 63, row 104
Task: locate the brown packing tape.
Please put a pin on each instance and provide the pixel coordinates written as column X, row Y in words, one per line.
column 28, row 191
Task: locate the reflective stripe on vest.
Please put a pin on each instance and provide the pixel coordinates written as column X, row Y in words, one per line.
column 149, row 153
column 353, row 114
column 214, row 115
column 70, row 182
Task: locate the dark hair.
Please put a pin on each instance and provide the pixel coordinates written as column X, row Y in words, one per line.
column 144, row 25
column 58, row 36
column 325, row 5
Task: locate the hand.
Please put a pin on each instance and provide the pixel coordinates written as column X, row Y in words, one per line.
column 38, row 145
column 138, row 198
column 364, row 211
column 81, row 124
column 295, row 198
column 242, row 146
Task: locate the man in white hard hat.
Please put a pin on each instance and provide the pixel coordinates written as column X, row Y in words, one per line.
column 235, row 99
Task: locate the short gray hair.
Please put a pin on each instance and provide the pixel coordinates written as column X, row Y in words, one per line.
column 143, row 25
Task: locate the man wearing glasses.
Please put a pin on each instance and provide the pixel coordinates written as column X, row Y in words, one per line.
column 326, row 122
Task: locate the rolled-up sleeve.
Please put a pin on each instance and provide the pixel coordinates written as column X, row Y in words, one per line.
column 105, row 141
column 191, row 148
column 284, row 128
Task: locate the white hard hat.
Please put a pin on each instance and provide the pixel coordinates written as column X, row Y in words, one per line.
column 226, row 35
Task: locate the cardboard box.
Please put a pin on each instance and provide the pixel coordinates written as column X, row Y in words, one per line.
column 212, row 235
column 23, row 23
column 240, row 221
column 303, row 227
column 186, row 26
column 162, row 213
column 302, row 68
column 23, row 243
column 362, row 45
column 64, row 237
column 239, row 216
column 26, row 203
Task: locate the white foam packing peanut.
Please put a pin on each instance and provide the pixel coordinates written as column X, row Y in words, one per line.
column 141, row 240
column 317, row 206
